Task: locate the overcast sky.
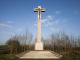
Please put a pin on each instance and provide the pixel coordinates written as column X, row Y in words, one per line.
column 17, row 17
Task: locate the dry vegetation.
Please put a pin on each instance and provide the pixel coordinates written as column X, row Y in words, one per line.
column 68, row 46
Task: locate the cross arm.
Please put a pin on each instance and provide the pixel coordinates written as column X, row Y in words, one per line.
column 37, row 9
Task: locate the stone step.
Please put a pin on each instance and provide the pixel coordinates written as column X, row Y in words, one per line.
column 40, row 55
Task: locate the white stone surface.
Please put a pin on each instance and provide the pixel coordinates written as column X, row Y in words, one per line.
column 38, row 43
column 41, row 55
column 38, row 46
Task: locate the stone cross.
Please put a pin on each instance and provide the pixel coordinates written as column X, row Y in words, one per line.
column 38, row 43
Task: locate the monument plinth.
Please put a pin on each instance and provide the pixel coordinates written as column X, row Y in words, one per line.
column 38, row 42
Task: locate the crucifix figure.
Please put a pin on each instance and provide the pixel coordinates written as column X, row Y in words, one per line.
column 38, row 42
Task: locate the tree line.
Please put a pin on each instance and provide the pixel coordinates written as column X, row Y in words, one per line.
column 60, row 42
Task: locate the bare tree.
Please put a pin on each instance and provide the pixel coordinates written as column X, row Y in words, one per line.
column 13, row 44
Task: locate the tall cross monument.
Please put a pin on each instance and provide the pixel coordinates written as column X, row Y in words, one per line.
column 38, row 42
column 41, row 54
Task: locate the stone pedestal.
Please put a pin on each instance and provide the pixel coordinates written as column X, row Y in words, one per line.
column 38, row 46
